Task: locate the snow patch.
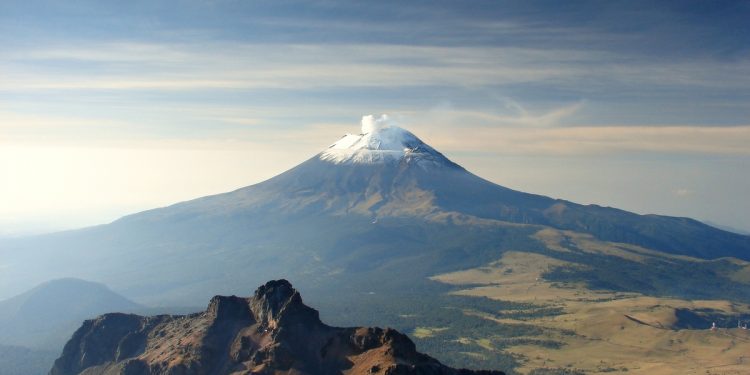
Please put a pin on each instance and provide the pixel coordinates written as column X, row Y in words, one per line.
column 381, row 141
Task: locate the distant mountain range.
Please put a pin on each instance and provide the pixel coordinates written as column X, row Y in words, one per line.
column 45, row 316
column 377, row 214
column 35, row 324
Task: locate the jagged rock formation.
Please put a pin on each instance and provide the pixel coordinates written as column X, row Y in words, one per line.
column 271, row 333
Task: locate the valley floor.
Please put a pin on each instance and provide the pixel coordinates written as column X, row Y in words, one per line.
column 607, row 332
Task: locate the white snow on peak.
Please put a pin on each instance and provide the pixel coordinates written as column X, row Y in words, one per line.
column 380, row 141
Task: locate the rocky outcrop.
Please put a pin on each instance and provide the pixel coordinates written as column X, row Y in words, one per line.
column 272, row 332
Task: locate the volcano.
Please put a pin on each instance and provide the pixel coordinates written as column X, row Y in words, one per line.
column 386, row 171
column 379, row 205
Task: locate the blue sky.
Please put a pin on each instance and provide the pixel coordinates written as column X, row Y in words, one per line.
column 111, row 107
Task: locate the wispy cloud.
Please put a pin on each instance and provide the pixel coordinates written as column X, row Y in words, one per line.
column 596, row 140
column 511, row 113
column 139, row 66
column 518, row 131
column 682, row 192
column 469, row 132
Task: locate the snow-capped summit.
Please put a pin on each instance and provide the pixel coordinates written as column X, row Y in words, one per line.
column 381, row 141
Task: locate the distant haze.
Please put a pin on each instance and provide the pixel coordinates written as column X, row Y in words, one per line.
column 108, row 109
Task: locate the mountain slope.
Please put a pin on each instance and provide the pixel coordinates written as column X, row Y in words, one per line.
column 271, row 333
column 17, row 360
column 372, row 203
column 44, row 316
column 388, row 171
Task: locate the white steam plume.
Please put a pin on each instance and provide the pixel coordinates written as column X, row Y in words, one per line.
column 372, row 123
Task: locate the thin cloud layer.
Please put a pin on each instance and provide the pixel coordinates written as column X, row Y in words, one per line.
column 600, row 140
column 291, row 66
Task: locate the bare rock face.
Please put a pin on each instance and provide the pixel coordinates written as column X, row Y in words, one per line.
column 271, row 333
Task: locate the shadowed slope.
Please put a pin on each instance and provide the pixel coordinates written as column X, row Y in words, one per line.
column 44, row 316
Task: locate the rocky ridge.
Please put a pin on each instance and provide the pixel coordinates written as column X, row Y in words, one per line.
column 273, row 332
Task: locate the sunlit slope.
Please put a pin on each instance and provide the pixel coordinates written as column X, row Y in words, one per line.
column 408, row 190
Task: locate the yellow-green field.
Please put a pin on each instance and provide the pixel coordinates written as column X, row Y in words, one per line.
column 614, row 332
column 424, row 332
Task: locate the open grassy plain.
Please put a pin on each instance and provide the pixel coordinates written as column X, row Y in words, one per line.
column 608, row 331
